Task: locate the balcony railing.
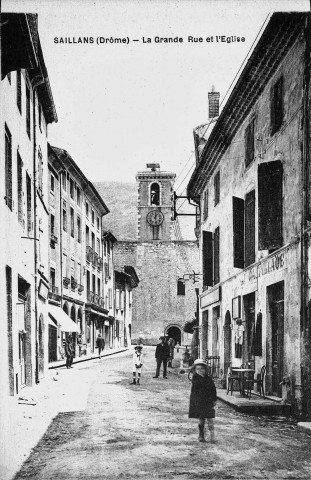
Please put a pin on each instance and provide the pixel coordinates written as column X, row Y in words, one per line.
column 102, row 302
column 53, row 240
column 80, row 288
column 95, row 258
column 90, row 296
column 54, row 292
column 100, row 264
column 89, row 254
column 66, row 282
column 96, row 299
column 73, row 284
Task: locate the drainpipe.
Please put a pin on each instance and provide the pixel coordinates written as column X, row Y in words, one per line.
column 303, row 402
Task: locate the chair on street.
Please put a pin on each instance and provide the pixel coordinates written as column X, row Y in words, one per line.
column 259, row 381
column 231, row 378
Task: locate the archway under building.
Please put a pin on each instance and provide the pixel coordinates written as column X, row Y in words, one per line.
column 175, row 333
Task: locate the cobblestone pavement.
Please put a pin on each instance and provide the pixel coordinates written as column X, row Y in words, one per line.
column 126, row 431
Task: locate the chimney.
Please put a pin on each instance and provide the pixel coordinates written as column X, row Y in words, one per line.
column 213, row 103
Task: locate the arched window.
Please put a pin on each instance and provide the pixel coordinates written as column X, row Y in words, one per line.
column 155, row 194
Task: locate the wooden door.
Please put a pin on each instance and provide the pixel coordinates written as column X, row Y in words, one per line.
column 52, row 344
column 22, row 358
column 277, row 340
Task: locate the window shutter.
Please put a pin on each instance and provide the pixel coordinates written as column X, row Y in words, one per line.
column 249, row 143
column 217, row 188
column 276, row 106
column 117, row 298
column 270, row 205
column 205, row 205
column 207, row 256
column 8, row 168
column 238, row 232
column 216, row 256
column 250, row 228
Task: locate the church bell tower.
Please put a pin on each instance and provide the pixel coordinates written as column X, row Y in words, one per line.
column 155, row 203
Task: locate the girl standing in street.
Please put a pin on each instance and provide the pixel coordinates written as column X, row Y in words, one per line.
column 203, row 399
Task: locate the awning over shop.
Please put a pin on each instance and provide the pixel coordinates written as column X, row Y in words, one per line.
column 64, row 321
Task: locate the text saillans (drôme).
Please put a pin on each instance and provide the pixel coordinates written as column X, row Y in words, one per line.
column 148, row 40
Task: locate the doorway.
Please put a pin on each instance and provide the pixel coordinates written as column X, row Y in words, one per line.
column 249, row 313
column 175, row 334
column 227, row 342
column 275, row 340
column 41, row 346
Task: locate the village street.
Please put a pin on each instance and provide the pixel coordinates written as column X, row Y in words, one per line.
column 107, row 428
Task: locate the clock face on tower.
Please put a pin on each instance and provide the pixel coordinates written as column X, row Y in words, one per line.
column 155, row 217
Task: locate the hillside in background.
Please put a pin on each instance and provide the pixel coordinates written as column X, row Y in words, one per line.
column 121, row 199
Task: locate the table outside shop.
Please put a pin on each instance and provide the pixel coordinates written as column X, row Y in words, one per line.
column 242, row 371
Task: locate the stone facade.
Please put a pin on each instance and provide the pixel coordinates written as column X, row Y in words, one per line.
column 27, row 107
column 252, row 215
column 78, row 251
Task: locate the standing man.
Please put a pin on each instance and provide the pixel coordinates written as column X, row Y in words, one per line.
column 162, row 354
column 69, row 351
column 100, row 344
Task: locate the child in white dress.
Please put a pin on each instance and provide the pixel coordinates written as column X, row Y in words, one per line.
column 137, row 364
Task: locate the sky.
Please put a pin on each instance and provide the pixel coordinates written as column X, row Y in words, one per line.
column 123, row 105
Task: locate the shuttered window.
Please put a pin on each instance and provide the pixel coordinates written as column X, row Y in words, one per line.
column 216, row 256
column 238, row 232
column 250, row 228
column 207, row 256
column 217, row 188
column 19, row 90
column 64, row 216
column 8, row 272
column 72, row 222
column 249, row 143
column 8, row 168
column 28, row 109
column 205, row 205
column 270, row 205
column 29, row 204
column 276, row 106
column 20, row 189
column 117, row 299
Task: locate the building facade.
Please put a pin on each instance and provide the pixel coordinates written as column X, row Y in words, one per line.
column 163, row 301
column 77, row 275
column 252, row 183
column 27, row 108
column 125, row 281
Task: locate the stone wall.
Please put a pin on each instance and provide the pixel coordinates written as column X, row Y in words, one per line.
column 156, row 304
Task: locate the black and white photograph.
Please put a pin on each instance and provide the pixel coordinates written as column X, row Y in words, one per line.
column 155, row 239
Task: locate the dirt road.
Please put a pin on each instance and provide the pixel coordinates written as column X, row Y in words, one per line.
column 127, row 431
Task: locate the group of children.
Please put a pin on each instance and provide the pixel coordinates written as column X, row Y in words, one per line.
column 202, row 397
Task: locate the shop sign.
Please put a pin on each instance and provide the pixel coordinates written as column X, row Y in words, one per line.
column 210, row 297
column 272, row 264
